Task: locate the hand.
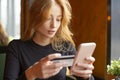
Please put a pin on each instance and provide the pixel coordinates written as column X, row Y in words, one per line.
column 45, row 68
column 83, row 69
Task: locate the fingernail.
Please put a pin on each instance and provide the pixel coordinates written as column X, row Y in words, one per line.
column 57, row 54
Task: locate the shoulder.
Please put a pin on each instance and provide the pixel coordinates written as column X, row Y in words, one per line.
column 13, row 48
column 13, row 45
column 18, row 43
column 15, row 42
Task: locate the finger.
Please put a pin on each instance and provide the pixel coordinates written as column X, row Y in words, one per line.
column 85, row 76
column 82, row 73
column 84, row 66
column 57, row 65
column 90, row 60
column 51, row 56
column 53, row 72
column 90, row 67
column 49, row 72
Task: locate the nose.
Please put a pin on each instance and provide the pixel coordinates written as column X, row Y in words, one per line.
column 53, row 23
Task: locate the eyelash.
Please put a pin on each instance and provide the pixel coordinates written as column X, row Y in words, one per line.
column 56, row 19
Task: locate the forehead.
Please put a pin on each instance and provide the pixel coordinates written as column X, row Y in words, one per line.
column 56, row 9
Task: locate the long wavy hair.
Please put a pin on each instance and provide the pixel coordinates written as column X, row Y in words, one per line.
column 40, row 11
column 3, row 36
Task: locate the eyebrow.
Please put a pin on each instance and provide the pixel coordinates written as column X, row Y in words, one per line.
column 59, row 16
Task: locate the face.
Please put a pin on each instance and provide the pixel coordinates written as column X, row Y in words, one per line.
column 52, row 24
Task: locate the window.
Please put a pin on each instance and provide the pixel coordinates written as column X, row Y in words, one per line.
column 115, row 29
column 10, row 16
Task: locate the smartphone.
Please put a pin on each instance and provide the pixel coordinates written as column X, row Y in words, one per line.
column 84, row 50
column 68, row 60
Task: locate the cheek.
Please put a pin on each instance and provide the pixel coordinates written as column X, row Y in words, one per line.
column 58, row 25
column 40, row 29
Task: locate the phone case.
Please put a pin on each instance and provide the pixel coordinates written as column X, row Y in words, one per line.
column 84, row 50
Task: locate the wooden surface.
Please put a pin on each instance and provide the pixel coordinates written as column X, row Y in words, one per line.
column 89, row 24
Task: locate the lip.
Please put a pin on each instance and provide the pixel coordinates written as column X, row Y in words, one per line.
column 51, row 31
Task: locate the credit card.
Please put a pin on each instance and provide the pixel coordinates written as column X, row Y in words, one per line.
column 68, row 60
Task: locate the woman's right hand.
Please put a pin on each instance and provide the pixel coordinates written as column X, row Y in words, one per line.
column 44, row 68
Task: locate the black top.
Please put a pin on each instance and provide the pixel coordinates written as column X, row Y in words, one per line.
column 3, row 49
column 22, row 54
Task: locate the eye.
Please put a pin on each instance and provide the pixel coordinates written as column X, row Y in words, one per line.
column 59, row 19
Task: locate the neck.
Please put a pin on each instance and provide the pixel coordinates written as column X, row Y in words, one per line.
column 41, row 41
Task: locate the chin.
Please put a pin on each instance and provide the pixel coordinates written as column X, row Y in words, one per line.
column 50, row 36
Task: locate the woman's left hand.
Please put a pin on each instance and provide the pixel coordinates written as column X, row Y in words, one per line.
column 83, row 70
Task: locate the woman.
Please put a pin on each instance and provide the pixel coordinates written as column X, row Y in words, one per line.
column 47, row 37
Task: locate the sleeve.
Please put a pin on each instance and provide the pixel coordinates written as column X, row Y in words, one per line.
column 12, row 65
